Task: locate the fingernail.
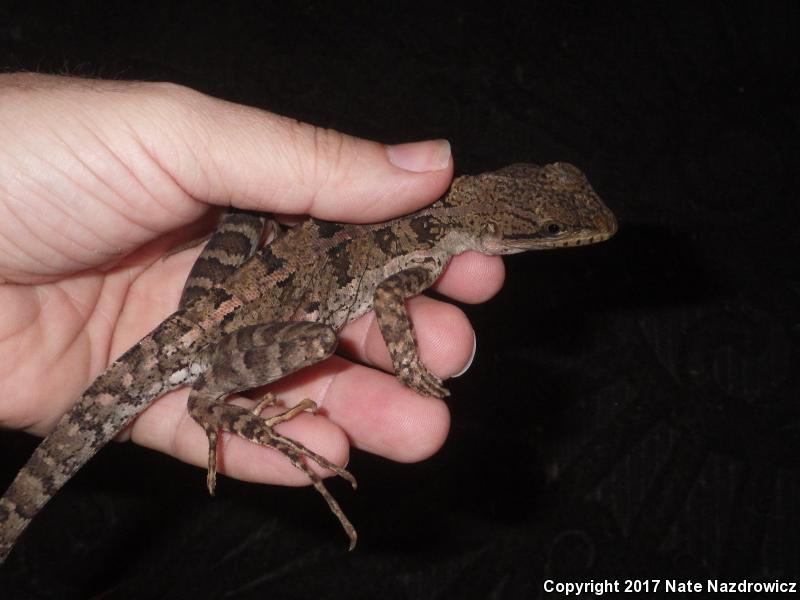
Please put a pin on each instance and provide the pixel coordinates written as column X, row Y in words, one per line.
column 420, row 157
column 471, row 358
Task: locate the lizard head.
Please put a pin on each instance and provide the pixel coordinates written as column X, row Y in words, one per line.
column 528, row 207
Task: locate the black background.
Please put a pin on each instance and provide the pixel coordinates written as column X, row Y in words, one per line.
column 633, row 407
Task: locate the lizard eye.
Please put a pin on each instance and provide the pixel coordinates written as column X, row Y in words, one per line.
column 554, row 228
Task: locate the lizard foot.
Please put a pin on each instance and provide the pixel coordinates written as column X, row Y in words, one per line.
column 269, row 399
column 421, row 380
column 248, row 425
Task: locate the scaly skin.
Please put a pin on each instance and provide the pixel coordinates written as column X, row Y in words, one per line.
column 249, row 317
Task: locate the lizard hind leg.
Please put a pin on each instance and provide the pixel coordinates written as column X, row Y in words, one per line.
column 251, row 357
column 236, row 239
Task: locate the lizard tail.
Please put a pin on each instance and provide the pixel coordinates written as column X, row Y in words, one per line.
column 112, row 401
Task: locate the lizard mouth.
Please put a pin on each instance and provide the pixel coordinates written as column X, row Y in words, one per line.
column 603, row 227
column 585, row 238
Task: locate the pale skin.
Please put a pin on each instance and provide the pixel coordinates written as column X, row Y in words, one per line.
column 98, row 179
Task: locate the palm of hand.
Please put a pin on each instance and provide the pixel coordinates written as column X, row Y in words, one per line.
column 57, row 335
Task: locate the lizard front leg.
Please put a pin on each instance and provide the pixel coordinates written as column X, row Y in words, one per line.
column 392, row 316
column 251, row 357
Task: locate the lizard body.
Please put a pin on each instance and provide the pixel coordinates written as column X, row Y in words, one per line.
column 249, row 316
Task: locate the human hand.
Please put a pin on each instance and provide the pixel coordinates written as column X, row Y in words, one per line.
column 97, row 177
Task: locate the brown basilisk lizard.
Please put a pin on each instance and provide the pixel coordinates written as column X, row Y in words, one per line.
column 249, row 315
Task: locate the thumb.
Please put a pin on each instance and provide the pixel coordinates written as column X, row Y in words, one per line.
column 258, row 160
